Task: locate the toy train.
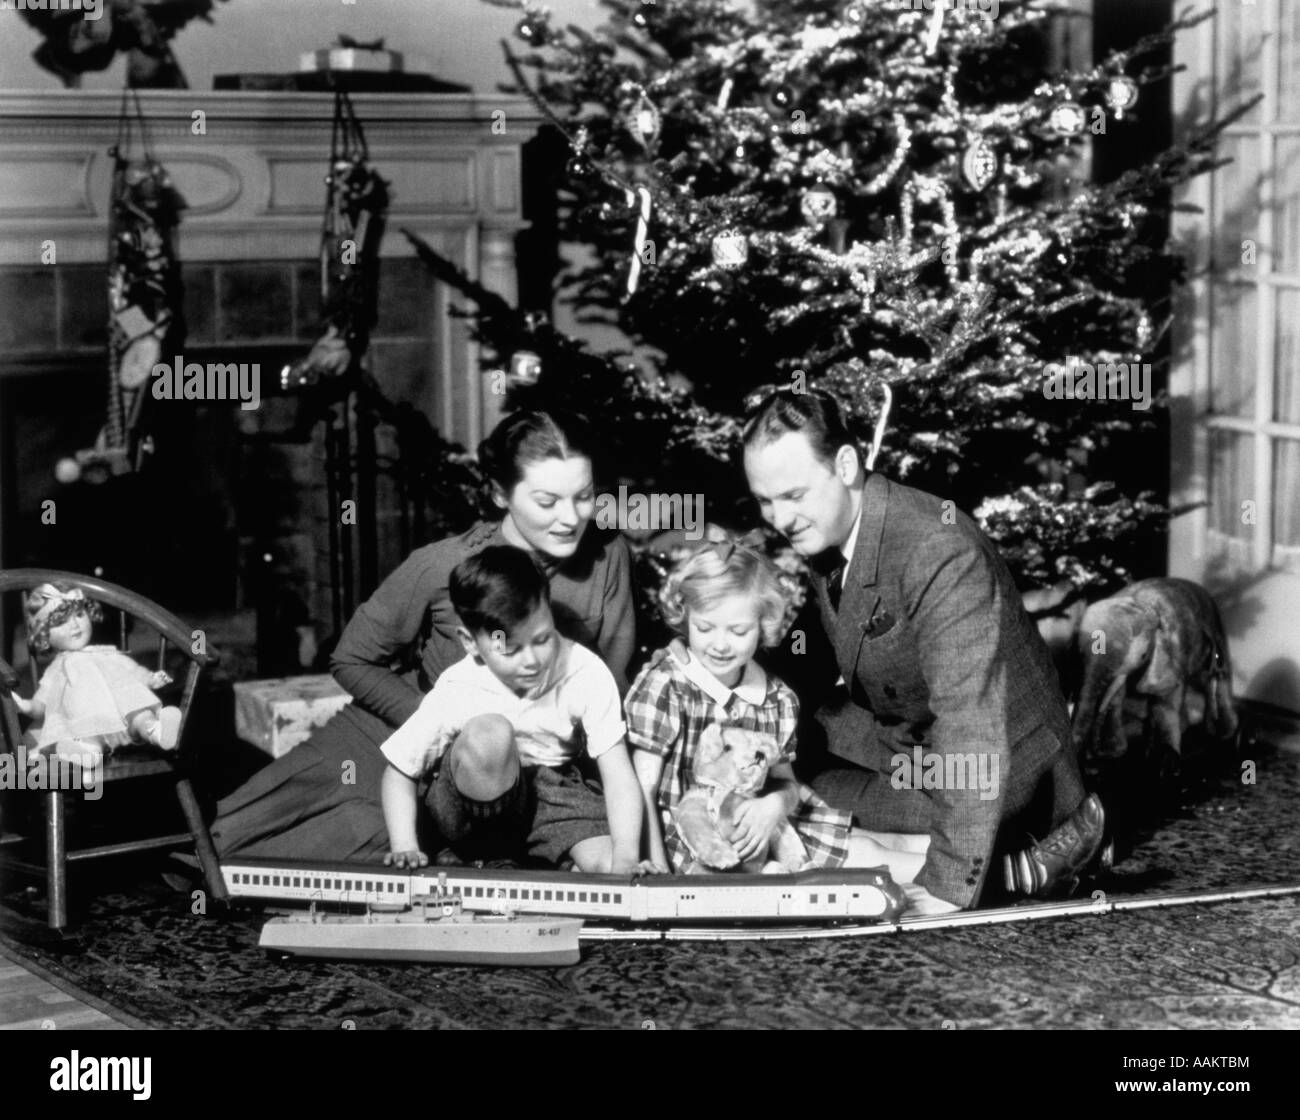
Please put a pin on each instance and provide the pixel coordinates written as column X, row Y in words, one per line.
column 835, row 895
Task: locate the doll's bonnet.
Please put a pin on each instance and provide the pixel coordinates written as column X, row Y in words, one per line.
column 51, row 604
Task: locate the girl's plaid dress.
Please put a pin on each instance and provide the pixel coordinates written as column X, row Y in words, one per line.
column 668, row 708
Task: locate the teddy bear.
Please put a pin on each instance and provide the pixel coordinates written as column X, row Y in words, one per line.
column 731, row 765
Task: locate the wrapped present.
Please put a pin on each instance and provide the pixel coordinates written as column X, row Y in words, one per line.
column 364, row 59
column 278, row 714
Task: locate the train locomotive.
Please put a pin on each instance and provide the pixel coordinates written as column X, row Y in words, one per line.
column 817, row 896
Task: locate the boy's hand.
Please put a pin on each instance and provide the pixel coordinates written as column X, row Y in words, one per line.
column 630, row 865
column 756, row 820
column 24, row 706
column 410, row 858
column 160, row 680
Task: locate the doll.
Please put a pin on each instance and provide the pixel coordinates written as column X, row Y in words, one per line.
column 90, row 698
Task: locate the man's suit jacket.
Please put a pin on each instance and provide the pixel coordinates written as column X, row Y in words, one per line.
column 935, row 648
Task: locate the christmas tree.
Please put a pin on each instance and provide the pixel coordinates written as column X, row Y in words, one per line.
column 864, row 195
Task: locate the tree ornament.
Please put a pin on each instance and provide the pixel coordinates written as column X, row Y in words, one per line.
column 642, row 195
column 532, row 31
column 856, row 12
column 641, row 17
column 579, row 166
column 781, row 97
column 1059, row 252
column 525, row 368
column 1121, row 94
column 730, row 249
column 644, row 122
column 1067, row 118
column 980, row 163
column 819, row 205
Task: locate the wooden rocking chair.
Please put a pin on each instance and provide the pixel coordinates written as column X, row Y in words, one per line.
column 134, row 614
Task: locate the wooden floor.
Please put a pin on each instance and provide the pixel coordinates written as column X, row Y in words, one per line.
column 29, row 1001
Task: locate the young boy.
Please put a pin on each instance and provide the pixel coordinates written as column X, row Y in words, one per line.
column 499, row 731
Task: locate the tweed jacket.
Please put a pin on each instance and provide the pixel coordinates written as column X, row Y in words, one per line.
column 936, row 649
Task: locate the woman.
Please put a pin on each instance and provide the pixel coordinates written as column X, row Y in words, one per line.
column 321, row 801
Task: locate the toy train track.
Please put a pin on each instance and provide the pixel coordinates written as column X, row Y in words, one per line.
column 1028, row 912
column 808, row 897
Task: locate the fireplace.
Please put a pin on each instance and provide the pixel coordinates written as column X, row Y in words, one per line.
column 235, row 501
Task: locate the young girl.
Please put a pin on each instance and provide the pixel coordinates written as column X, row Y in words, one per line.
column 725, row 599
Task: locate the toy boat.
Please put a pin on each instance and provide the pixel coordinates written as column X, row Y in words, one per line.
column 435, row 931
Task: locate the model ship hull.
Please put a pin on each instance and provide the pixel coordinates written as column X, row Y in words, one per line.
column 521, row 941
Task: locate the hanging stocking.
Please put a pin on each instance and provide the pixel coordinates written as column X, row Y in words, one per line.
column 144, row 299
column 356, row 206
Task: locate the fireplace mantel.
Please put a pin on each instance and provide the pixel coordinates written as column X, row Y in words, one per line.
column 251, row 166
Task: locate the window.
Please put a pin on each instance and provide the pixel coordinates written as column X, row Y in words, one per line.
column 813, row 898
column 570, row 896
column 582, row 896
column 1239, row 437
column 297, row 880
column 604, row 898
column 514, row 893
column 277, row 881
column 618, row 898
column 547, row 896
column 831, row 899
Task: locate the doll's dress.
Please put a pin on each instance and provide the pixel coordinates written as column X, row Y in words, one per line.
column 90, row 693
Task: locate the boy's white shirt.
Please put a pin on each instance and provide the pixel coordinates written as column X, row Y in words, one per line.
column 579, row 690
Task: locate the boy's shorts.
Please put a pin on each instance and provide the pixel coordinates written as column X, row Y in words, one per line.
column 542, row 816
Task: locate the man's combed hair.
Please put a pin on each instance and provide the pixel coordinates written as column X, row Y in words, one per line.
column 815, row 413
column 497, row 589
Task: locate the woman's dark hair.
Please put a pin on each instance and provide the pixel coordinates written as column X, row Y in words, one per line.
column 814, row 412
column 497, row 589
column 527, row 437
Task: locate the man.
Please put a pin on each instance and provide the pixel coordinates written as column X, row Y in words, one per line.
column 934, row 649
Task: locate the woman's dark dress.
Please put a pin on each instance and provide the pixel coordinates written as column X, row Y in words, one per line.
column 321, row 801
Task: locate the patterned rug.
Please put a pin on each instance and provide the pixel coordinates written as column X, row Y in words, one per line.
column 1230, row 964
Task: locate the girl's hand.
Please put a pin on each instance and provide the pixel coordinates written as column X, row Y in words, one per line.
column 160, row 680
column 411, row 858
column 24, row 706
column 756, row 821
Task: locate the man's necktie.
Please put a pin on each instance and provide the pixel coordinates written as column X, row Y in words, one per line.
column 835, row 583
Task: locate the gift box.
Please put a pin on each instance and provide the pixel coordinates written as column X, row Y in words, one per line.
column 352, row 58
column 278, row 714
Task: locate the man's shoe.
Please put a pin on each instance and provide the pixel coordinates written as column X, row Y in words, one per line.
column 1053, row 866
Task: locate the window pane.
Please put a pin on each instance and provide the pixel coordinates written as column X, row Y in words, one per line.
column 1240, row 49
column 1288, row 70
column 1286, row 504
column 1286, row 365
column 1286, row 209
column 1231, row 483
column 1233, row 349
column 1236, row 200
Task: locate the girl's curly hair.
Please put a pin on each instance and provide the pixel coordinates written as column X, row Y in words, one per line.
column 722, row 568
